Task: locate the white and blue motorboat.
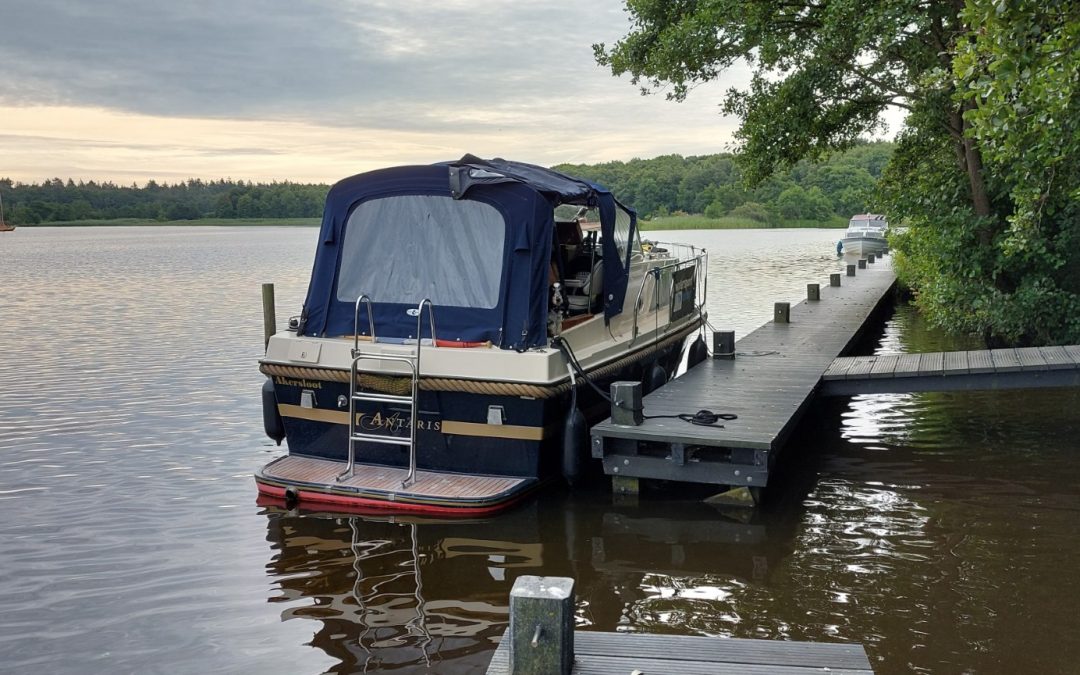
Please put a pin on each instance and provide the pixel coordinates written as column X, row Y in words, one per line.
column 462, row 322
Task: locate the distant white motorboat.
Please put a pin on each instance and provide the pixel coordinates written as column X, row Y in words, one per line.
column 865, row 234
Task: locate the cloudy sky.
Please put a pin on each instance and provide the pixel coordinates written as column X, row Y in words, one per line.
column 314, row 90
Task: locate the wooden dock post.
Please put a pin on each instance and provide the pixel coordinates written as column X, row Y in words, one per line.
column 834, row 280
column 851, row 270
column 269, row 314
column 782, row 312
column 626, row 404
column 723, row 344
column 541, row 631
column 813, row 291
column 870, row 258
column 862, row 263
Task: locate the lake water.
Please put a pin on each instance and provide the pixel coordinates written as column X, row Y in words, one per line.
column 939, row 530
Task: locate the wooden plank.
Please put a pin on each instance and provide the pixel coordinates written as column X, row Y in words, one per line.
column 621, row 653
column 837, row 370
column 980, row 361
column 860, row 367
column 956, row 363
column 885, row 365
column 1031, row 358
column 931, row 364
column 1057, row 358
column 717, row 650
column 298, row 468
column 907, row 365
column 1005, row 360
column 1074, row 353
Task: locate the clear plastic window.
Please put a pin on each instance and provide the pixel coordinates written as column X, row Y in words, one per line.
column 406, row 248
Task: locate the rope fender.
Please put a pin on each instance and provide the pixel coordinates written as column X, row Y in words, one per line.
column 401, row 385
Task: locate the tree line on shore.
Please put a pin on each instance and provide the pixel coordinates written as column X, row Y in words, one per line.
column 708, row 184
column 58, row 201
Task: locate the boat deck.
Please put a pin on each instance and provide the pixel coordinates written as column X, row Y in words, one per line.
column 313, row 480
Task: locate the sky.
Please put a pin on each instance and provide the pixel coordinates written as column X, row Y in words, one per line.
column 316, row 90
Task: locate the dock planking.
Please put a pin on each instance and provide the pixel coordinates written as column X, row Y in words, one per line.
column 1022, row 368
column 768, row 386
column 597, row 653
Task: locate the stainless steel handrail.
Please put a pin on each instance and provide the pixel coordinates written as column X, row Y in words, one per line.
column 411, row 477
column 655, row 271
column 356, row 322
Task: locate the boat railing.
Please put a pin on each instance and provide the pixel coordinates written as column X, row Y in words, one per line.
column 355, row 395
column 698, row 261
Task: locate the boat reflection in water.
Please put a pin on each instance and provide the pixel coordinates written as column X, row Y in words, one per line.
column 393, row 593
column 411, row 594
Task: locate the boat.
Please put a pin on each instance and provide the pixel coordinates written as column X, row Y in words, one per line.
column 865, row 235
column 4, row 226
column 463, row 323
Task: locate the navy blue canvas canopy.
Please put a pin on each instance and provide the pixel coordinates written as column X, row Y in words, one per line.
column 474, row 236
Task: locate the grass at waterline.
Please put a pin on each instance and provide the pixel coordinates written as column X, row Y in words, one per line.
column 731, row 223
column 206, row 222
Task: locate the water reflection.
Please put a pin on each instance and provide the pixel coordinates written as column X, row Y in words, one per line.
column 400, row 593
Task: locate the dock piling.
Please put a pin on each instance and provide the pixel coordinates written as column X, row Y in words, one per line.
column 626, row 404
column 541, row 625
column 862, row 263
column 269, row 313
column 782, row 312
column 870, row 258
column 851, row 270
column 813, row 291
column 723, row 344
column 834, row 280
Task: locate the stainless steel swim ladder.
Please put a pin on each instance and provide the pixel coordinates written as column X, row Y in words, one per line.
column 413, row 362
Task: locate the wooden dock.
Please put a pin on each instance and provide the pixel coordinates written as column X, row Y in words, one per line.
column 1023, row 368
column 541, row 640
column 597, row 653
column 768, row 385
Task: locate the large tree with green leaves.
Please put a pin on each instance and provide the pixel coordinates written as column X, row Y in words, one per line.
column 993, row 226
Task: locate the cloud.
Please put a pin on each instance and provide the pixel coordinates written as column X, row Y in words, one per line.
column 319, row 85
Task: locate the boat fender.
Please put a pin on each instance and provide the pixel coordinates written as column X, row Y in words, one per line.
column 655, row 377
column 291, row 497
column 272, row 423
column 575, row 440
column 698, row 352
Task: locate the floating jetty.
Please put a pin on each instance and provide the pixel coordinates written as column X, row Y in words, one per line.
column 1022, row 368
column 542, row 640
column 766, row 380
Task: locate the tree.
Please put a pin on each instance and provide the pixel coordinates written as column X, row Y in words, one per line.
column 975, row 77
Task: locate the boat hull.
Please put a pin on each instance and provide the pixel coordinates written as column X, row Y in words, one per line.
column 458, row 433
column 861, row 246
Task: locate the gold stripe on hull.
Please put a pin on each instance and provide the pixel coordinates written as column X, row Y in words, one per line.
column 510, row 431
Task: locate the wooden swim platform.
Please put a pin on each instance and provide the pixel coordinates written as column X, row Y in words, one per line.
column 768, row 384
column 1023, row 368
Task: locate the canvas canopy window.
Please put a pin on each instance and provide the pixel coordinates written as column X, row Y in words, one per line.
column 472, row 236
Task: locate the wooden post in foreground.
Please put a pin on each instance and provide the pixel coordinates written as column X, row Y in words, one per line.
column 541, row 626
column 269, row 315
column 834, row 279
column 782, row 312
column 862, row 263
column 870, row 258
column 813, row 291
column 851, row 270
